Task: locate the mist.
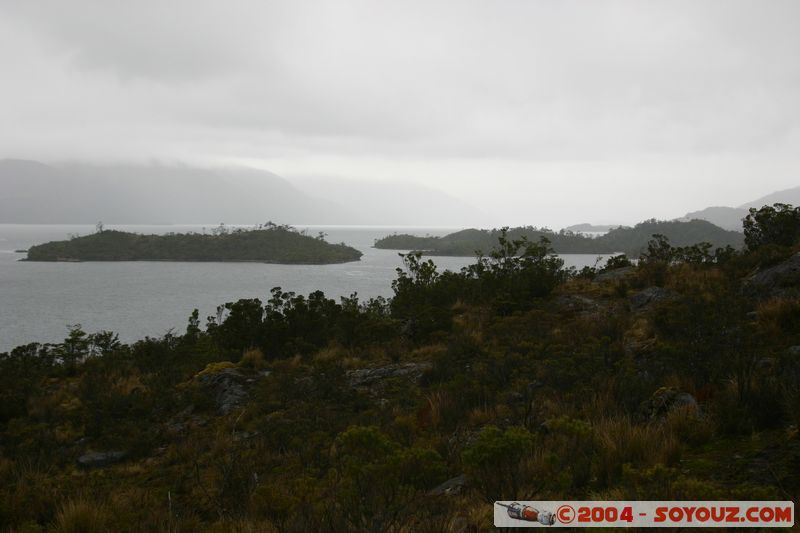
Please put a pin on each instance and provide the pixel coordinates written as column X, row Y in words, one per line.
column 528, row 112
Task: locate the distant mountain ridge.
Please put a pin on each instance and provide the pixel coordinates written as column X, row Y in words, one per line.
column 731, row 217
column 36, row 193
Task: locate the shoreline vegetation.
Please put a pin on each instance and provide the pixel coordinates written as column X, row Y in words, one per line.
column 675, row 378
column 631, row 241
column 269, row 243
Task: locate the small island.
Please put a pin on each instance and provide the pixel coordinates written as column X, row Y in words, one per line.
column 268, row 244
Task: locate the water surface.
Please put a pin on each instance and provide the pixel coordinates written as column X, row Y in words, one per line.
column 138, row 299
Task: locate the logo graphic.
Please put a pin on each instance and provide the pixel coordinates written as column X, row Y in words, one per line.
column 565, row 514
column 642, row 514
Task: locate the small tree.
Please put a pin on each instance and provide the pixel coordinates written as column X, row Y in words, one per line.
column 516, row 271
column 193, row 326
column 74, row 348
column 658, row 250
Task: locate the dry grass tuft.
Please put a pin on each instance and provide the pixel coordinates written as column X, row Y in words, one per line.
column 776, row 316
column 430, row 415
column 81, row 516
column 618, row 441
column 252, row 359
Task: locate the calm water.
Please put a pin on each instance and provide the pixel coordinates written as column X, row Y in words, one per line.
column 136, row 299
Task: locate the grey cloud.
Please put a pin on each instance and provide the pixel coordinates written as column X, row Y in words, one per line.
column 542, row 81
column 535, row 74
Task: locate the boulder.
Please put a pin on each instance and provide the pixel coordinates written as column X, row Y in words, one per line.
column 614, row 274
column 100, row 459
column 576, row 303
column 451, row 487
column 181, row 423
column 365, row 377
column 649, row 296
column 230, row 386
column 665, row 400
column 782, row 279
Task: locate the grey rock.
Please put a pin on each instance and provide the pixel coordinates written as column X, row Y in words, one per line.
column 782, row 279
column 576, row 303
column 451, row 487
column 245, row 435
column 794, row 351
column 100, row 459
column 179, row 423
column 640, row 348
column 615, row 274
column 409, row 327
column 462, row 439
column 765, row 363
column 231, row 387
column 516, row 396
column 649, row 296
column 533, row 385
column 365, row 377
column 665, row 400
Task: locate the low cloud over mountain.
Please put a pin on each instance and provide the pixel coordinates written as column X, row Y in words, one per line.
column 32, row 192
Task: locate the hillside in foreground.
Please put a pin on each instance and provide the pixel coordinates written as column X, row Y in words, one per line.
column 271, row 244
column 674, row 379
column 628, row 240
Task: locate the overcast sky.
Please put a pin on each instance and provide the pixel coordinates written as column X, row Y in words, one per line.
column 539, row 112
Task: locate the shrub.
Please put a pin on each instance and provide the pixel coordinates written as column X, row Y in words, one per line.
column 377, row 483
column 617, row 261
column 499, row 462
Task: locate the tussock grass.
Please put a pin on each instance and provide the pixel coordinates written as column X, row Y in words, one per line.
column 776, row 316
column 618, row 441
column 252, row 359
column 81, row 516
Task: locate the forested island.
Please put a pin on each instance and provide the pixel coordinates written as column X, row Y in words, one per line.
column 267, row 243
column 677, row 378
column 628, row 240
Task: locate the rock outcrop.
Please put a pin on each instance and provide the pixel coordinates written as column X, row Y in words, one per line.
column 615, row 274
column 649, row 296
column 230, row 386
column 100, row 459
column 366, row 377
column 781, row 280
column 576, row 303
column 665, row 400
column 451, row 487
